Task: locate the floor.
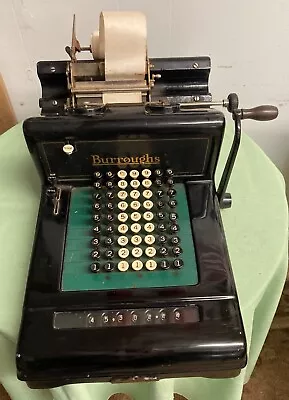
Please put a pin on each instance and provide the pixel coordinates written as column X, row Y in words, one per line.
column 270, row 379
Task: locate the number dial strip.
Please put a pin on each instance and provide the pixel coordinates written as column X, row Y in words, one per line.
column 126, row 317
column 137, row 209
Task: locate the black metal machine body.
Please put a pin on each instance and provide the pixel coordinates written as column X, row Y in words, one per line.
column 132, row 332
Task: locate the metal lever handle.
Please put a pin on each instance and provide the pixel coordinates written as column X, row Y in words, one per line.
column 261, row 113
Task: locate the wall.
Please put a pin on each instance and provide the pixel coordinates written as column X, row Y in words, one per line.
column 248, row 42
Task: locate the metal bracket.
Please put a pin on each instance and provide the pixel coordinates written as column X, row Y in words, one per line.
column 56, row 201
column 54, row 193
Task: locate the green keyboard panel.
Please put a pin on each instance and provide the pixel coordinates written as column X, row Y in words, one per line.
column 131, row 230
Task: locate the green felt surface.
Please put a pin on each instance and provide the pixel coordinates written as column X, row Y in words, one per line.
column 76, row 272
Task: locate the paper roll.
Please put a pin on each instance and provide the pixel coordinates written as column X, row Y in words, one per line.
column 122, row 43
column 94, row 45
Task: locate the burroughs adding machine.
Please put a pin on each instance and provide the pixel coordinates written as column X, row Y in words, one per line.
column 130, row 277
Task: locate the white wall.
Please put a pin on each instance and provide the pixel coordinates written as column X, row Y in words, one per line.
column 247, row 40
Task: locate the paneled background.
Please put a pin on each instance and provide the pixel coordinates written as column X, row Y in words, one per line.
column 248, row 42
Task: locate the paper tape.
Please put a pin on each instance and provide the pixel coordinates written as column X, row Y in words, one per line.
column 122, row 42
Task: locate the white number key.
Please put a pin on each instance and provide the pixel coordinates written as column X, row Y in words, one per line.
column 149, row 239
column 135, row 216
column 150, row 251
column 136, row 240
column 123, row 252
column 122, row 241
column 149, row 227
column 134, row 183
column 147, row 194
column 148, row 216
column 151, row 265
column 135, row 228
column 122, row 217
column 134, row 194
column 146, row 173
column 122, row 195
column 137, row 265
column 123, row 266
column 134, row 173
column 122, row 228
column 148, row 204
column 136, row 252
column 135, row 205
column 122, row 184
column 122, row 174
column 147, row 183
column 122, row 205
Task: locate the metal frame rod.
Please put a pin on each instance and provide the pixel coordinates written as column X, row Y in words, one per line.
column 196, row 104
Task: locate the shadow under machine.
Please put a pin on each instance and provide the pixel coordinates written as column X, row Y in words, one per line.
column 130, row 277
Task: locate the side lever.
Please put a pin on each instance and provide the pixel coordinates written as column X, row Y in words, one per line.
column 261, row 113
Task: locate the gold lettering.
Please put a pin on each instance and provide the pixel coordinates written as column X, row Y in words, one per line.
column 96, row 159
column 135, row 160
column 149, row 159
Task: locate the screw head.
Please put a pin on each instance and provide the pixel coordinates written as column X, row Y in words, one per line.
column 196, row 98
column 54, row 102
column 195, row 65
column 52, row 69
